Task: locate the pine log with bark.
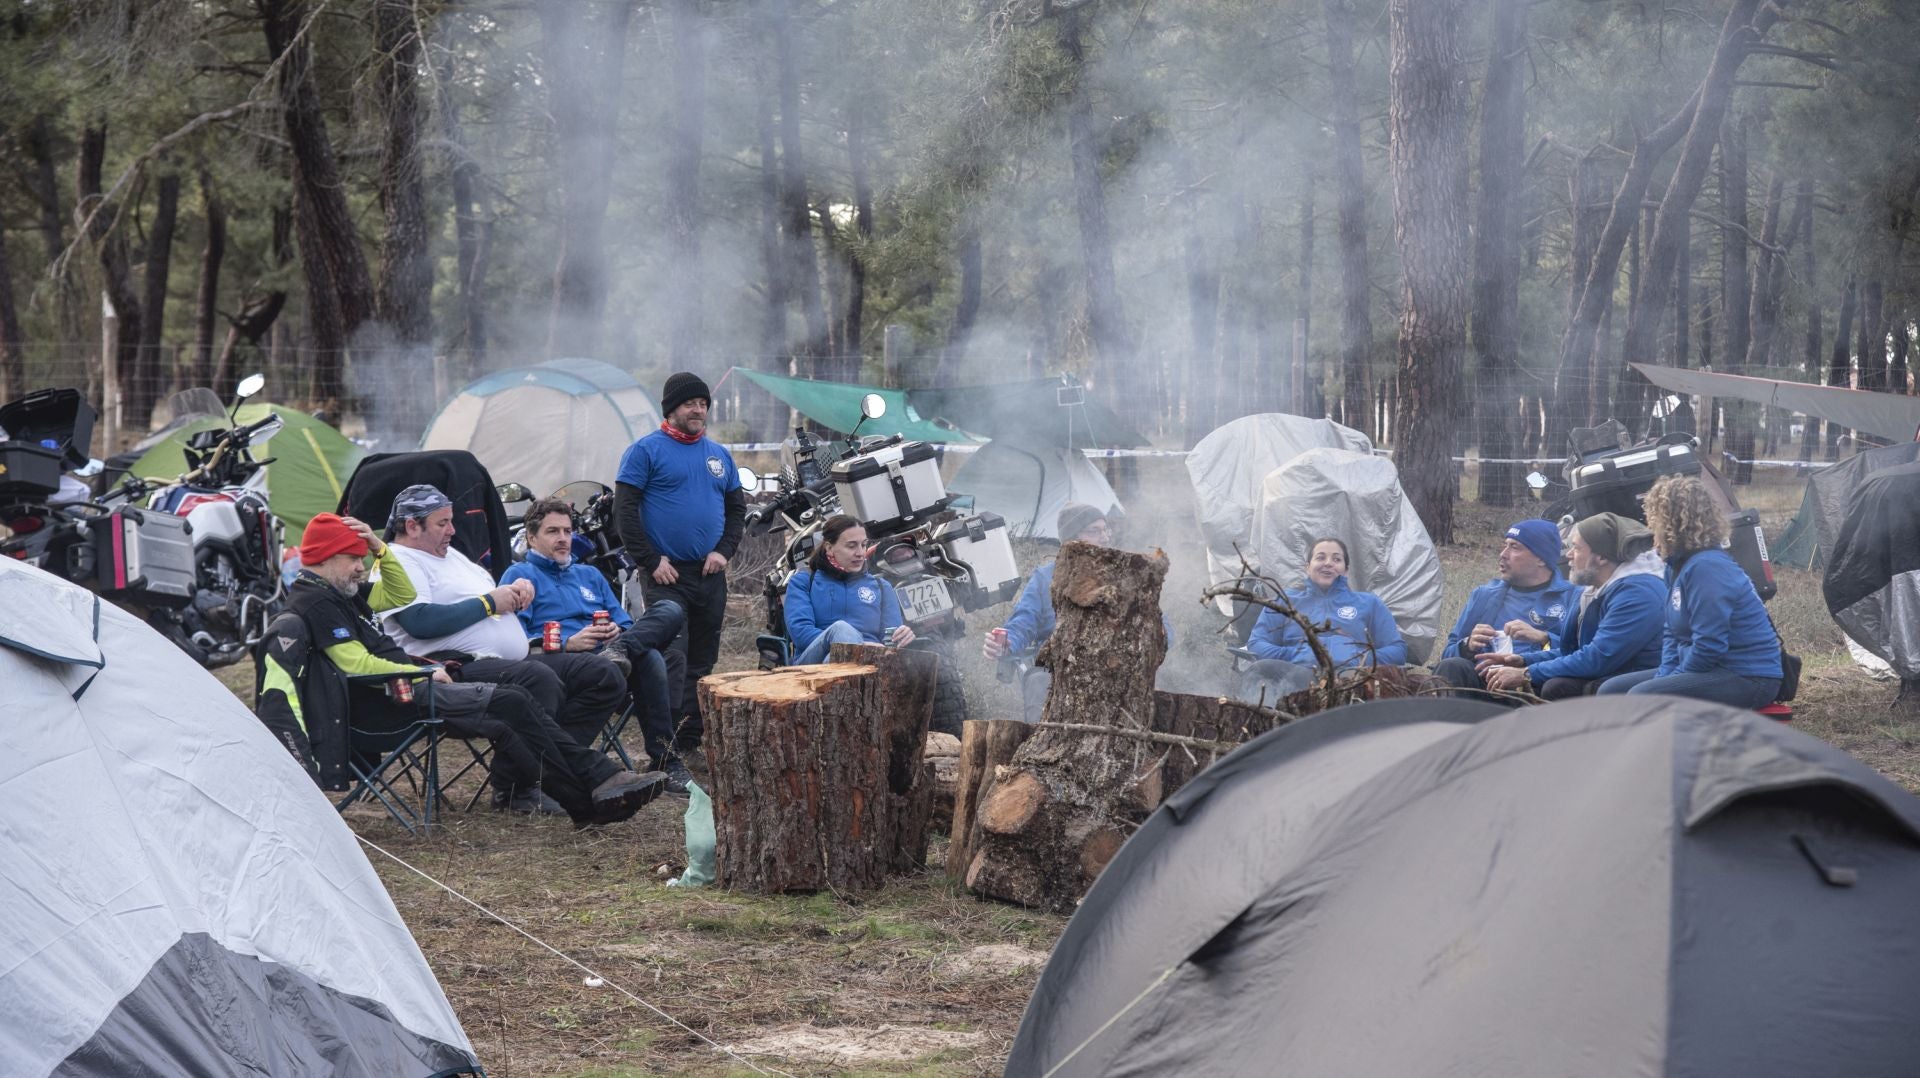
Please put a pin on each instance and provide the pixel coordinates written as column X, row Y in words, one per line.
column 986, row 745
column 818, row 771
column 1056, row 815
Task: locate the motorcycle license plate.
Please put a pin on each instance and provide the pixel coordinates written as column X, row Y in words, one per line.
column 923, row 599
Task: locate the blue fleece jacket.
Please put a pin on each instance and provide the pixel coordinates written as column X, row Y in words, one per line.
column 816, row 600
column 1618, row 632
column 568, row 594
column 1363, row 628
column 1497, row 602
column 1032, row 619
column 1716, row 623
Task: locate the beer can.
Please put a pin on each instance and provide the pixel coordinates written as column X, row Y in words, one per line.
column 550, row 640
column 403, row 690
column 601, row 617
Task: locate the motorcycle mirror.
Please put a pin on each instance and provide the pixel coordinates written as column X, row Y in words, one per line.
column 873, row 406
column 1536, row 481
column 749, row 480
column 513, row 492
column 93, row 467
column 251, row 384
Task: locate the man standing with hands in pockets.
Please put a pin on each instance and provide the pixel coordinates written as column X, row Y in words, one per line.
column 681, row 512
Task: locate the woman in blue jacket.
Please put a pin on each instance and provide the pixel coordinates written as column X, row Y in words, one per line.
column 1719, row 644
column 836, row 601
column 1360, row 630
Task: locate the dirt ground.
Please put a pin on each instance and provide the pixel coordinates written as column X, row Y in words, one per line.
column 919, row 978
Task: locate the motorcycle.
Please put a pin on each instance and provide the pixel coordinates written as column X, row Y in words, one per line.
column 199, row 557
column 941, row 560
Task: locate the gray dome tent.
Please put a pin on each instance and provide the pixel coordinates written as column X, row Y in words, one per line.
column 1619, row 886
column 180, row 898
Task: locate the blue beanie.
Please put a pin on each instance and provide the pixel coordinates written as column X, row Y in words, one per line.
column 1541, row 538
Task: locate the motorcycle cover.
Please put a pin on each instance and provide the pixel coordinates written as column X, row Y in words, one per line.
column 479, row 520
column 1227, row 469
column 1872, row 586
column 1355, row 497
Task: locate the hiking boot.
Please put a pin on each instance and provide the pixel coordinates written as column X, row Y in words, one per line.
column 533, row 802
column 624, row 794
column 678, row 778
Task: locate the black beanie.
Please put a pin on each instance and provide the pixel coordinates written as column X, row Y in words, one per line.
column 681, row 388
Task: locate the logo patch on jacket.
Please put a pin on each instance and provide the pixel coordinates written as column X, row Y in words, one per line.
column 715, row 467
column 1556, row 611
column 1676, row 598
column 1348, row 613
column 867, row 595
column 586, row 593
column 341, row 632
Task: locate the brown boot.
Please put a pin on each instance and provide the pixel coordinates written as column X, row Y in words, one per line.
column 624, row 794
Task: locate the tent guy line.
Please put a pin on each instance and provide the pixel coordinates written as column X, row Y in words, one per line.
column 570, row 960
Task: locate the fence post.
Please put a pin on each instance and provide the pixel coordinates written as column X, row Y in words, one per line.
column 109, row 376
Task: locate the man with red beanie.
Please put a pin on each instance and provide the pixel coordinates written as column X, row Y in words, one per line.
column 331, row 595
column 681, row 512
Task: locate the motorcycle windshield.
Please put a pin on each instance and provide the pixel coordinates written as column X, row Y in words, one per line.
column 194, row 404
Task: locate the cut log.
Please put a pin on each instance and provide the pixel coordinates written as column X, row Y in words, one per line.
column 818, row 777
column 943, row 758
column 1058, row 813
column 1205, row 718
column 985, row 746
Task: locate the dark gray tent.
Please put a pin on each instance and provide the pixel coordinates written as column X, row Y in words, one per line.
column 1628, row 886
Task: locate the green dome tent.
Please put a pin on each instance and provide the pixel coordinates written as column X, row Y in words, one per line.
column 311, row 462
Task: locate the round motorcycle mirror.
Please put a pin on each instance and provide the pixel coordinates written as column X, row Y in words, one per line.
column 750, row 480
column 873, row 406
column 94, row 466
column 251, row 384
column 513, row 492
column 1536, row 481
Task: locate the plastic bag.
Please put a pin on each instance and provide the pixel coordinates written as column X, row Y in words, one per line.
column 700, row 840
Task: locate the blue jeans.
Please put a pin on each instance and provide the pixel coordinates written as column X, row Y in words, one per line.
column 650, row 680
column 1733, row 690
column 837, row 633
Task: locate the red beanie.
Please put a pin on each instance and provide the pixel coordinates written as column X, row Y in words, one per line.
column 326, row 536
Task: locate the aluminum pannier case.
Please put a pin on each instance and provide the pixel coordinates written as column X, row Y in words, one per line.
column 1747, row 545
column 146, row 556
column 1619, row 483
column 893, row 485
column 982, row 543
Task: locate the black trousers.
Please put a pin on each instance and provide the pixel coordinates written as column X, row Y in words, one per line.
column 580, row 690
column 529, row 748
column 704, row 598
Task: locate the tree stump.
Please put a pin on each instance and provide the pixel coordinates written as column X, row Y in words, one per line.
column 1206, row 718
column 1057, row 814
column 985, row 746
column 818, row 778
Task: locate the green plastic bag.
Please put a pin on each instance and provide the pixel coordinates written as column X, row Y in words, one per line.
column 700, row 840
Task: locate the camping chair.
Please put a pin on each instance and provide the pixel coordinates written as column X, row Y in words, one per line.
column 362, row 744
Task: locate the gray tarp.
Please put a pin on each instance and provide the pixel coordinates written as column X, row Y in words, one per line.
column 180, row 898
column 1228, row 466
column 1632, row 886
column 1888, row 415
column 1357, row 498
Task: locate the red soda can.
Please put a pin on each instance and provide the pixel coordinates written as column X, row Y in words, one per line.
column 550, row 640
column 403, row 690
column 601, row 617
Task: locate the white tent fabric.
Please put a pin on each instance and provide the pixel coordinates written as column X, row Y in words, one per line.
column 1355, row 497
column 547, row 425
column 179, row 897
column 1026, row 485
column 1227, row 468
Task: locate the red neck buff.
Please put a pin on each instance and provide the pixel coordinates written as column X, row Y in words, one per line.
column 678, row 435
column 835, row 562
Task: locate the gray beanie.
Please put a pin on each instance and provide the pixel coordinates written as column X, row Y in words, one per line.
column 1074, row 518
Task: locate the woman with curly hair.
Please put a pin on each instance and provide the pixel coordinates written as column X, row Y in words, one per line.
column 1719, row 644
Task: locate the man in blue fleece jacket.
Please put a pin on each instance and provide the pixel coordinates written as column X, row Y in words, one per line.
column 1033, row 619
column 1614, row 628
column 569, row 592
column 1527, row 600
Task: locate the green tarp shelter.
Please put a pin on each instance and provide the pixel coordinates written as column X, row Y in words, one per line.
column 1040, row 411
column 311, row 461
column 836, row 406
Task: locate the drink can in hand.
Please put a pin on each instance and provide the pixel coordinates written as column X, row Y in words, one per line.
column 999, row 636
column 550, row 639
column 1502, row 644
column 402, row 690
column 601, row 617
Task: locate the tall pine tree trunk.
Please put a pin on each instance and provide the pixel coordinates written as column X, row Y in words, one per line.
column 688, row 281
column 472, row 226
column 1840, row 363
column 584, row 66
column 1496, row 255
column 1105, row 322
column 799, row 262
column 1803, row 212
column 1736, row 290
column 399, row 382
column 110, row 246
column 207, row 302
column 13, row 346
column 1356, row 326
column 152, row 377
column 1428, row 121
